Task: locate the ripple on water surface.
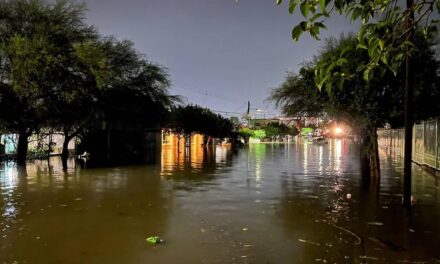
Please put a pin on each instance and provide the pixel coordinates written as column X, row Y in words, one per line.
column 268, row 203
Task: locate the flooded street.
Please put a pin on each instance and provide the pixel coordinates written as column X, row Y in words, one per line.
column 268, row 203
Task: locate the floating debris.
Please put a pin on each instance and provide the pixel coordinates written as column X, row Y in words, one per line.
column 358, row 238
column 415, row 262
column 309, row 242
column 155, row 240
column 368, row 257
column 375, row 223
column 386, row 244
column 244, row 229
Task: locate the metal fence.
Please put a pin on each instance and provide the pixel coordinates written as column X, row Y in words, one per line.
column 426, row 142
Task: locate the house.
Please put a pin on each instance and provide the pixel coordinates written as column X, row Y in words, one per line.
column 37, row 143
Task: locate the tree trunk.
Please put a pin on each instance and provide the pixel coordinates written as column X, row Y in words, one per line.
column 22, row 147
column 375, row 153
column 365, row 154
column 178, row 143
column 65, row 151
column 49, row 145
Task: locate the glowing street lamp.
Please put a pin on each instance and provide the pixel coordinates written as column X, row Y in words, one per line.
column 338, row 131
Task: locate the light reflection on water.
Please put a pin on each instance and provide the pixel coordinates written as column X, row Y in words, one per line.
column 268, row 203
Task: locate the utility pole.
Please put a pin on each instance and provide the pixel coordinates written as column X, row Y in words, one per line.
column 409, row 122
column 248, row 114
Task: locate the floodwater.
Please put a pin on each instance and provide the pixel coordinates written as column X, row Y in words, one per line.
column 268, row 203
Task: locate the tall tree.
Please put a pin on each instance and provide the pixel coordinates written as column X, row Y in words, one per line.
column 34, row 40
column 367, row 105
column 192, row 118
column 133, row 96
column 117, row 87
column 387, row 32
column 297, row 95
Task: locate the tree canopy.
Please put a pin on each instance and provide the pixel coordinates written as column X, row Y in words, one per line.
column 367, row 103
column 192, row 118
column 58, row 72
column 386, row 29
column 364, row 104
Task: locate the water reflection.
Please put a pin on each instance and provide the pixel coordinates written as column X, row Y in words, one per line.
column 195, row 159
column 321, row 160
column 268, row 203
column 333, row 216
column 255, row 162
column 306, row 158
column 8, row 176
column 99, row 215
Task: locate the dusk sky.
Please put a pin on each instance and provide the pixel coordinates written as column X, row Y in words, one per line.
column 219, row 53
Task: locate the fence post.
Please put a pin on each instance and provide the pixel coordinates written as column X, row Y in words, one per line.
column 436, row 143
column 423, row 140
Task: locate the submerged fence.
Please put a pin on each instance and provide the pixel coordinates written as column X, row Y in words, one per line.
column 426, row 142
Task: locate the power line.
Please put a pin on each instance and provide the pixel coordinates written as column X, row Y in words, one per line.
column 217, row 96
column 227, row 112
column 206, row 93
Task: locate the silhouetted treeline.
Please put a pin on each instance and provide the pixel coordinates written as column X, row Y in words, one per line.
column 58, row 72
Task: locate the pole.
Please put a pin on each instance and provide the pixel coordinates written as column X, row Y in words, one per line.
column 409, row 83
column 248, row 113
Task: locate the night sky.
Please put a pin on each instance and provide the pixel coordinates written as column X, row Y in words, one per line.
column 219, row 53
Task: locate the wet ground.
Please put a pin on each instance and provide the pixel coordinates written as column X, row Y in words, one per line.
column 269, row 203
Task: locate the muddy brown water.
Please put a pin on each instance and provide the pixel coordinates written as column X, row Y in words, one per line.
column 269, row 203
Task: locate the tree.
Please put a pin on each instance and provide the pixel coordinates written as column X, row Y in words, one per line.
column 56, row 72
column 259, row 134
column 365, row 105
column 297, row 95
column 279, row 129
column 377, row 101
column 246, row 133
column 34, row 39
column 134, row 89
column 386, row 29
column 132, row 97
column 195, row 119
column 73, row 100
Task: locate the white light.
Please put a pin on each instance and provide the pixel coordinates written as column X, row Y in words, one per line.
column 338, row 130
